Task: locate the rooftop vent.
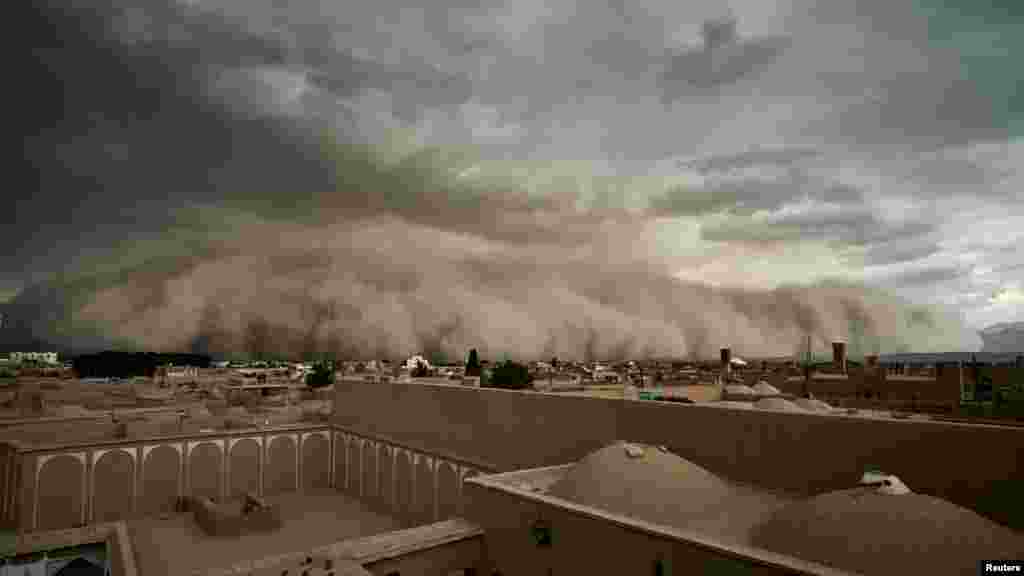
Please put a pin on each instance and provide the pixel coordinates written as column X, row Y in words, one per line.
column 839, row 356
column 885, row 483
column 634, row 451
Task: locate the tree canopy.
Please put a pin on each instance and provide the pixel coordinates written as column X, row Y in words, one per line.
column 127, row 364
column 420, row 370
column 473, row 364
column 510, row 375
column 322, row 375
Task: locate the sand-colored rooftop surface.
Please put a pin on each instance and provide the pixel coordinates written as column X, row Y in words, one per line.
column 739, row 390
column 176, row 546
column 870, row 533
column 732, row 404
column 54, row 432
column 812, row 405
column 72, row 412
column 765, row 389
column 780, row 404
column 663, row 488
column 610, row 393
column 74, row 433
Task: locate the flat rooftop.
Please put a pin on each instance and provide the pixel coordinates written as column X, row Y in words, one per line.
column 59, row 434
column 175, row 545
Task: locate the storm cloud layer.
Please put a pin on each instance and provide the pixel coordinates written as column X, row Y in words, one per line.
column 386, row 287
column 568, row 178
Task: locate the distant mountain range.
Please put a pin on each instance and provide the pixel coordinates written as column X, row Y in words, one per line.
column 1003, row 338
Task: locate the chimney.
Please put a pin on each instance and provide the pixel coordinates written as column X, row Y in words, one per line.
column 726, row 361
column 839, row 356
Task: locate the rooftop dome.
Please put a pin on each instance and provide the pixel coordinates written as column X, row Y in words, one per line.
column 734, row 404
column 766, row 389
column 866, row 531
column 777, row 404
column 643, row 482
column 812, row 405
column 739, row 390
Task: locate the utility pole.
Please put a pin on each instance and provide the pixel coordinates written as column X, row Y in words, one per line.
column 807, row 369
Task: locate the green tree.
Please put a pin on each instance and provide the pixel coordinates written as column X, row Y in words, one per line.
column 510, row 376
column 420, row 370
column 473, row 364
column 322, row 375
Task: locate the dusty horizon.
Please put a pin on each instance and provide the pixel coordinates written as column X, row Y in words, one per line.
column 571, row 179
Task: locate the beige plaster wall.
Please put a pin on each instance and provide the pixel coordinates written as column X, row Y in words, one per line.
column 113, row 486
column 316, row 462
column 161, row 473
column 60, row 493
column 585, row 545
column 413, row 486
column 204, row 464
column 281, row 471
column 799, row 452
column 447, row 491
column 355, row 468
column 403, row 471
column 423, row 499
column 340, row 464
column 8, row 484
column 369, row 482
column 245, row 467
column 386, row 479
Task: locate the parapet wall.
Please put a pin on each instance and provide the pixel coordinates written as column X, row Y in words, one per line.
column 585, row 540
column 804, row 453
column 63, row 486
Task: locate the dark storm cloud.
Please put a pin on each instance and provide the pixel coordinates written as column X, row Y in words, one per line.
column 121, row 128
column 985, row 171
column 415, row 86
column 1010, row 271
column 849, row 227
column 447, row 27
column 422, row 189
column 758, row 157
column 304, row 240
column 897, row 83
column 746, row 196
column 926, row 275
column 932, row 112
column 916, row 249
column 750, row 195
column 723, row 59
column 880, row 232
column 132, row 119
column 421, row 87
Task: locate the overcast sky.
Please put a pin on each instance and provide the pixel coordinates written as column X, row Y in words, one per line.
column 741, row 144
